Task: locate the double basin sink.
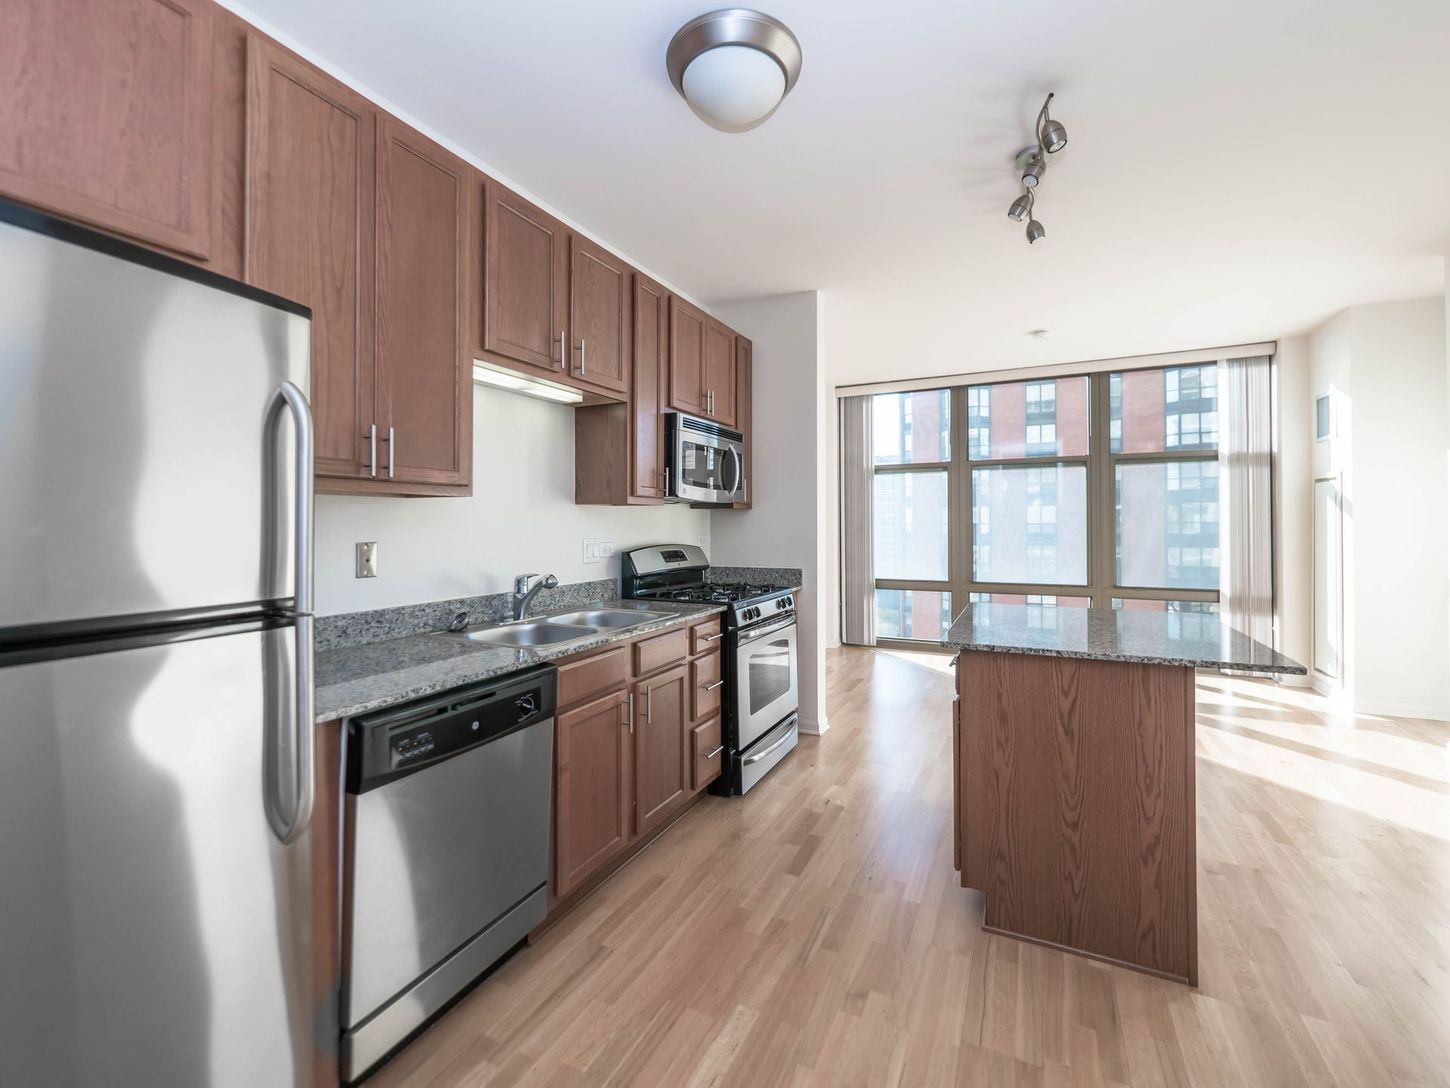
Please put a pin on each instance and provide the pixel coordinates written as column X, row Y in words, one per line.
column 557, row 629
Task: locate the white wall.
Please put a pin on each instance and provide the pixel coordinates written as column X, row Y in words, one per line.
column 789, row 440
column 521, row 517
column 1385, row 365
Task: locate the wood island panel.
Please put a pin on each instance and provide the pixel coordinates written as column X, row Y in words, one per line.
column 1076, row 811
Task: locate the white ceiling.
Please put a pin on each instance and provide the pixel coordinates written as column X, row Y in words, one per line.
column 1236, row 170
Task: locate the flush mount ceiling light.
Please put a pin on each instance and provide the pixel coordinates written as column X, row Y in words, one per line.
column 734, row 67
column 1031, row 166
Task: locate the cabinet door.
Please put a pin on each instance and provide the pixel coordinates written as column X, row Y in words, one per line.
column 661, row 750
column 720, row 373
column 744, row 416
column 525, row 282
column 599, row 316
column 687, row 357
column 647, row 400
column 311, row 150
column 424, row 375
column 591, row 789
column 105, row 114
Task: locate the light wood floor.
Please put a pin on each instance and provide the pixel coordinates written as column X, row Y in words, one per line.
column 814, row 933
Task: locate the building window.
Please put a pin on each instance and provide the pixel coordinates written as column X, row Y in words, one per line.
column 1091, row 489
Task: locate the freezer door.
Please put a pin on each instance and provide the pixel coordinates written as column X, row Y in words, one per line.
column 156, row 930
column 148, row 453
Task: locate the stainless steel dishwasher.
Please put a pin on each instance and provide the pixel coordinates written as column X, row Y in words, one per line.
column 446, row 852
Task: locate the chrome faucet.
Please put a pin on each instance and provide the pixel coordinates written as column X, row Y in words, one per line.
column 523, row 594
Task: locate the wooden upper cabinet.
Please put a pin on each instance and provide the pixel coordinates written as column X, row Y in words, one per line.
column 105, row 115
column 592, row 793
column 744, row 413
column 424, row 369
column 311, row 154
column 719, row 373
column 525, row 288
column 662, row 756
column 687, row 357
column 651, row 374
column 600, row 306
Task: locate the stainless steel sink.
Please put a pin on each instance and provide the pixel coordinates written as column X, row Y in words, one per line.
column 540, row 633
column 609, row 617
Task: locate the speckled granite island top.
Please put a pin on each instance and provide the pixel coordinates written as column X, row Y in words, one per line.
column 356, row 679
column 1111, row 634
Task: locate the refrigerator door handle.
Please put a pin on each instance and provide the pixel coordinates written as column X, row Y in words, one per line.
column 286, row 829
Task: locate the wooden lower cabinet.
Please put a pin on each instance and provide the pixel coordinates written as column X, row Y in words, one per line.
column 661, row 752
column 706, row 753
column 706, row 683
column 592, row 794
column 629, row 752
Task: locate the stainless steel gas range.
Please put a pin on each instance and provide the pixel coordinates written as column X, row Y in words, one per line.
column 761, row 666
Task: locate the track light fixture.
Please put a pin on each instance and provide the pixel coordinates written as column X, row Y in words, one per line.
column 1031, row 165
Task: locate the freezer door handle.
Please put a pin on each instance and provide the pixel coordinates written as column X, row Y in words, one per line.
column 289, row 827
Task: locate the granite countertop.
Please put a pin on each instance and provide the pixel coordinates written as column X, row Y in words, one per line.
column 356, row 679
column 1110, row 634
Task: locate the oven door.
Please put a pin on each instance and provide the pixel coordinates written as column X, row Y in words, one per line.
column 768, row 687
column 705, row 466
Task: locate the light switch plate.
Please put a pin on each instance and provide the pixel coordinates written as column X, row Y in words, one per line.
column 597, row 550
column 367, row 559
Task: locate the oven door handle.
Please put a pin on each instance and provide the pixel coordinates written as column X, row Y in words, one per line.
column 755, row 633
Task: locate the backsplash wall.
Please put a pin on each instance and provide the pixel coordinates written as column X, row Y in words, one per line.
column 521, row 517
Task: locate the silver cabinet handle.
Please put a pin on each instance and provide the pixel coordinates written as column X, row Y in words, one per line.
column 291, row 830
column 392, row 448
column 716, row 684
column 628, row 706
column 716, row 752
column 581, row 355
column 649, row 701
column 713, row 638
column 710, row 401
column 373, row 451
column 563, row 355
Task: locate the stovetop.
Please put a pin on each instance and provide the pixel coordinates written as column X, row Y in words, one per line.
column 712, row 592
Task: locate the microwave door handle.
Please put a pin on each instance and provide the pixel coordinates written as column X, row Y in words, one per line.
column 739, row 468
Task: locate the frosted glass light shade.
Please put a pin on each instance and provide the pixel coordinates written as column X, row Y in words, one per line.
column 733, row 87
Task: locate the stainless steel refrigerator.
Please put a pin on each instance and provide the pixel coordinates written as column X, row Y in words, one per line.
column 156, row 701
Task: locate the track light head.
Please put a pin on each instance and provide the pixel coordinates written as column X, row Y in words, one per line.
column 1053, row 136
column 1035, row 233
column 1032, row 170
column 1021, row 207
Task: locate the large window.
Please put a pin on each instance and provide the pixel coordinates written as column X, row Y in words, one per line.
column 1094, row 489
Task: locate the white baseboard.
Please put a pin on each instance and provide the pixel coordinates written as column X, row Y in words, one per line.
column 1403, row 710
column 813, row 728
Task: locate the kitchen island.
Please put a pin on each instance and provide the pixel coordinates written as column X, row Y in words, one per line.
column 1073, row 744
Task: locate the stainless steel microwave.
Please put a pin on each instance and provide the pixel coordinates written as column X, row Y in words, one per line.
column 704, row 462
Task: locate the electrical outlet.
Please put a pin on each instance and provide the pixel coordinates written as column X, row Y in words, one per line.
column 367, row 559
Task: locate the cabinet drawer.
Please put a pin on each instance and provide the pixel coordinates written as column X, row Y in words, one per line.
column 705, row 636
column 581, row 680
column 706, row 684
column 658, row 651
column 707, row 752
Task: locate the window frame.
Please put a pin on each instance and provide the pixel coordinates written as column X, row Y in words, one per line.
column 1100, row 464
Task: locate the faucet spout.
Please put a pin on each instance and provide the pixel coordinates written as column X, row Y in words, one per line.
column 524, row 593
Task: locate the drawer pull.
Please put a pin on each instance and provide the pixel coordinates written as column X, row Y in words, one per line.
column 716, row 684
column 712, row 638
column 716, row 752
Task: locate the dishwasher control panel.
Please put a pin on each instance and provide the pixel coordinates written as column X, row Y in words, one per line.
column 403, row 740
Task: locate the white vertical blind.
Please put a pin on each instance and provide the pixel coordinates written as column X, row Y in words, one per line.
column 858, row 576
column 1246, row 519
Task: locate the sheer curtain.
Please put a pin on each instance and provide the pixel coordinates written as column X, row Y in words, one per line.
column 858, row 578
column 1246, row 592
